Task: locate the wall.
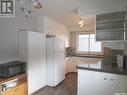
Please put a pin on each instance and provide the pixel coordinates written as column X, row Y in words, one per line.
column 8, row 34
column 112, row 45
column 9, row 28
column 75, row 28
column 89, row 24
column 52, row 27
column 73, row 40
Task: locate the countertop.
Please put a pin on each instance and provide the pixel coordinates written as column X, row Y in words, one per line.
column 90, row 56
column 2, row 80
column 101, row 66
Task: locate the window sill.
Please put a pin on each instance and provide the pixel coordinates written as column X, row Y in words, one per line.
column 87, row 55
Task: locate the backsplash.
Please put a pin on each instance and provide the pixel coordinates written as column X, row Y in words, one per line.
column 108, row 53
column 72, row 52
column 111, row 54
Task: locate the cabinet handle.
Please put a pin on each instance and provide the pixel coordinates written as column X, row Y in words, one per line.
column 112, row 79
column 105, row 78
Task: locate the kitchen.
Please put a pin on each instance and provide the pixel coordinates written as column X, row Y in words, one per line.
column 73, row 23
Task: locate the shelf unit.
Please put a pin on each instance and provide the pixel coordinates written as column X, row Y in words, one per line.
column 111, row 27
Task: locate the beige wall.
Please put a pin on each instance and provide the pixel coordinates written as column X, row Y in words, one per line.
column 9, row 28
column 88, row 27
column 52, row 27
column 73, row 40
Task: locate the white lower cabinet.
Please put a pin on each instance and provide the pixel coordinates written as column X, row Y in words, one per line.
column 99, row 83
column 118, row 83
column 72, row 62
column 85, row 82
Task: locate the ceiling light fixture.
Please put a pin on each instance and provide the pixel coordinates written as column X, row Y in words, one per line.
column 25, row 6
column 22, row 5
column 37, row 4
column 81, row 22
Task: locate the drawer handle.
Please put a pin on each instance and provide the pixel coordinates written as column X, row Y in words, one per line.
column 105, row 78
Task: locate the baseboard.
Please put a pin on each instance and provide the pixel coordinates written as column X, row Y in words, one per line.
column 56, row 85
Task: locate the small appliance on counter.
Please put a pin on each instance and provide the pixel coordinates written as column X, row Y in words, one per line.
column 121, row 61
column 11, row 69
column 9, row 84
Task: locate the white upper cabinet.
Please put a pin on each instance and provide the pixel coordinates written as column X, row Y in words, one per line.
column 111, row 26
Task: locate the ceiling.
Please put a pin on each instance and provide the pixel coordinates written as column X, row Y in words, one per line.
column 65, row 11
column 68, row 12
column 90, row 7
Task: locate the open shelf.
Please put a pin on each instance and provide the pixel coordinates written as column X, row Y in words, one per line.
column 110, row 27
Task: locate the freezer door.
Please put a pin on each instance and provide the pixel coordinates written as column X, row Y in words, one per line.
column 59, row 45
column 59, row 67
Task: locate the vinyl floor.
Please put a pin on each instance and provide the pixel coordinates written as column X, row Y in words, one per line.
column 67, row 87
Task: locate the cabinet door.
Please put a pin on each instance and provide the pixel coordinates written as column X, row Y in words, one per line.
column 109, row 84
column 32, row 66
column 101, row 84
column 9, row 92
column 25, row 88
column 110, row 26
column 18, row 90
column 36, row 61
column 85, row 79
column 118, row 83
column 72, row 65
column 22, row 89
column 36, row 64
column 41, row 58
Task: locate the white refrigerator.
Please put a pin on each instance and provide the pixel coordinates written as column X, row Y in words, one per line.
column 55, row 61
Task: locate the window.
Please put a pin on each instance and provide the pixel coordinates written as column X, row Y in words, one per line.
column 87, row 43
column 94, row 46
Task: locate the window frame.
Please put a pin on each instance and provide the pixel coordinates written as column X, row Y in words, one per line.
column 85, row 52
